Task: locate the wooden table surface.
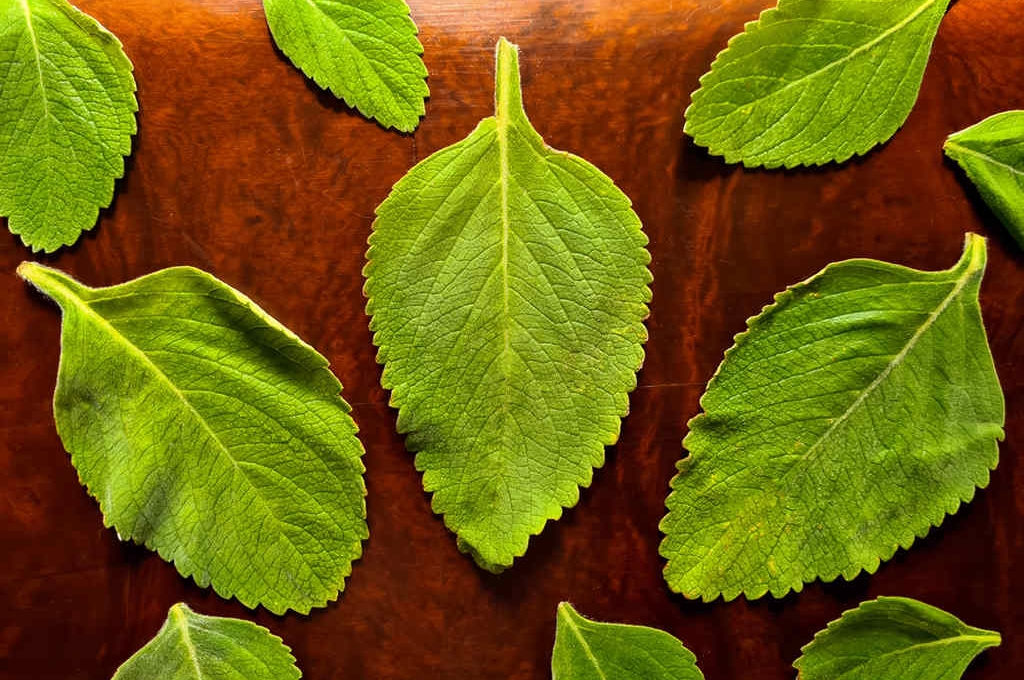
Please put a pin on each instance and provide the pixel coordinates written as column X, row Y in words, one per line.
column 243, row 168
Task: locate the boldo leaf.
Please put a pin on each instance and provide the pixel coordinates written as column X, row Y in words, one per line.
column 588, row 650
column 191, row 646
column 210, row 433
column 814, row 81
column 67, row 116
column 364, row 51
column 893, row 638
column 508, row 285
column 992, row 154
column 852, row 416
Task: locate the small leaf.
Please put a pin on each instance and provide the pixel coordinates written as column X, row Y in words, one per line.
column 210, row 433
column 814, row 81
column 67, row 116
column 893, row 638
column 508, row 286
column 856, row 412
column 191, row 646
column 364, row 51
column 992, row 154
column 588, row 650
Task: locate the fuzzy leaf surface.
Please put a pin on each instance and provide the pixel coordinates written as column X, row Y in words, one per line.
column 893, row 638
column 210, row 433
column 67, row 116
column 853, row 415
column 588, row 650
column 992, row 154
column 364, row 51
column 815, row 81
column 508, row 285
column 192, row 646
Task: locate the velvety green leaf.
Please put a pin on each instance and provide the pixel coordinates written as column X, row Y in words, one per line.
column 588, row 650
column 191, row 646
column 992, row 155
column 364, row 51
column 508, row 286
column 67, row 116
column 855, row 413
column 210, row 433
column 893, row 638
column 814, row 81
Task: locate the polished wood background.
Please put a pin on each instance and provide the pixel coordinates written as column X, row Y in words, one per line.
column 243, row 168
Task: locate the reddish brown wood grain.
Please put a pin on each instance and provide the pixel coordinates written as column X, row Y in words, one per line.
column 243, row 168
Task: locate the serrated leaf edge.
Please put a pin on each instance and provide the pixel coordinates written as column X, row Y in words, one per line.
column 172, row 556
column 993, row 638
column 750, row 28
column 972, row 244
column 422, row 88
column 87, row 22
column 552, row 511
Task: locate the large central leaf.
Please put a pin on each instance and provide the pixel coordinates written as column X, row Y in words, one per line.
column 210, row 433
column 857, row 411
column 508, row 285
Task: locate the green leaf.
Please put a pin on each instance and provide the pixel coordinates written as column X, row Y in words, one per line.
column 210, row 433
column 893, row 638
column 508, row 286
column 856, row 412
column 588, row 650
column 814, row 81
column 191, row 646
column 992, row 154
column 67, row 115
column 364, row 51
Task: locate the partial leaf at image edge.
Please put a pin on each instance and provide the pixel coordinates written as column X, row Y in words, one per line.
column 191, row 646
column 589, row 650
column 67, row 111
column 992, row 154
column 507, row 284
column 893, row 638
column 810, row 83
column 854, row 414
column 210, row 433
column 364, row 51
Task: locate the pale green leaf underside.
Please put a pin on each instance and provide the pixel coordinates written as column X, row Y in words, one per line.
column 191, row 646
column 815, row 81
column 67, row 116
column 852, row 416
column 210, row 433
column 508, row 285
column 588, row 650
column 893, row 638
column 364, row 51
column 992, row 154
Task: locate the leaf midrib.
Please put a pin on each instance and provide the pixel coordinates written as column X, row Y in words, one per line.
column 586, row 646
column 986, row 640
column 502, row 121
column 984, row 157
column 852, row 54
column 735, row 525
column 186, row 640
column 131, row 347
column 39, row 63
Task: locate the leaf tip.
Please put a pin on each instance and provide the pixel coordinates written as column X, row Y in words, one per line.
column 508, row 93
column 975, row 252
